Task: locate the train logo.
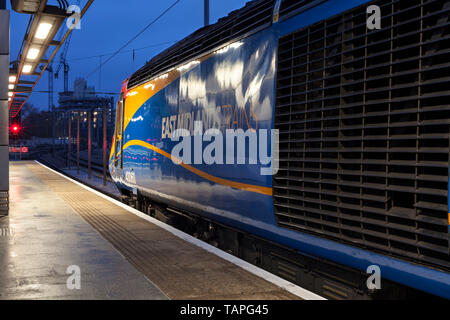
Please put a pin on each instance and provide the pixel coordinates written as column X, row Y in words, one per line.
column 130, row 177
column 216, row 152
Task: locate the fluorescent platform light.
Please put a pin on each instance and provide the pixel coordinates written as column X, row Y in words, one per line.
column 27, row 68
column 33, row 53
column 11, row 87
column 12, row 79
column 10, row 94
column 43, row 30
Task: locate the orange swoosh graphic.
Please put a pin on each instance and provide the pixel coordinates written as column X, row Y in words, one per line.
column 233, row 184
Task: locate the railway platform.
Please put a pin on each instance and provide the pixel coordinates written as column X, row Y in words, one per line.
column 57, row 225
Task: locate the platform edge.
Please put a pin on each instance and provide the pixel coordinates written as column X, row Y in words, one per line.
column 279, row 282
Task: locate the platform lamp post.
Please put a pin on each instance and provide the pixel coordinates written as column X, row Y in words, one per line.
column 89, row 142
column 53, row 130
column 78, row 144
column 69, row 138
column 104, row 143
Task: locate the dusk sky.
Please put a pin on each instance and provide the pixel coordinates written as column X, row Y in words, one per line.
column 108, row 25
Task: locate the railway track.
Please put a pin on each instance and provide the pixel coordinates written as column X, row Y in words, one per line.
column 96, row 168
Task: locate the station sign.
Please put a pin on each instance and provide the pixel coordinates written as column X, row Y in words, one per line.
column 18, row 149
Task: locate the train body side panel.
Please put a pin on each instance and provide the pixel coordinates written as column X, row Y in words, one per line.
column 230, row 89
column 233, row 89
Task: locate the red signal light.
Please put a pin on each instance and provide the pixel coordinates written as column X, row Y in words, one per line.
column 15, row 128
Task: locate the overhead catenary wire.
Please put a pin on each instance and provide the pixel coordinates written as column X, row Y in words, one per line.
column 105, row 93
column 126, row 51
column 134, row 38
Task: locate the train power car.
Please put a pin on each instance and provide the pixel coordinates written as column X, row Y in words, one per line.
column 352, row 100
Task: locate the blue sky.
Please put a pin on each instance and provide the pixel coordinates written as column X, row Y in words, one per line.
column 109, row 24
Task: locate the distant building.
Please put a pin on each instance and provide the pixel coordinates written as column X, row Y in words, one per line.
column 80, row 102
column 81, row 90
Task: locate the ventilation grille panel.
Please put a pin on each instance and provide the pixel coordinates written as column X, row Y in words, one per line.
column 364, row 120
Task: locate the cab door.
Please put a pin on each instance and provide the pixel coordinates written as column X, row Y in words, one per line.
column 118, row 142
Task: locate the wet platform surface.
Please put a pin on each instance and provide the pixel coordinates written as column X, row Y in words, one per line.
column 55, row 223
column 43, row 236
